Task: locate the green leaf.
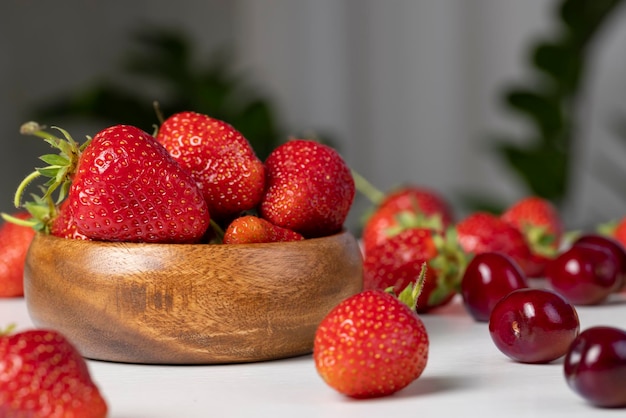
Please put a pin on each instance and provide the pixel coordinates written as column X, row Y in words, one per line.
column 561, row 63
column 50, row 171
column 54, row 159
column 544, row 111
column 543, row 169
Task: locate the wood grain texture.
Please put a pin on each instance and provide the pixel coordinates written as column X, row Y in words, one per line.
column 189, row 304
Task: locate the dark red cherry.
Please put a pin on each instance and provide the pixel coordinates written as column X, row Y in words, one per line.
column 595, row 366
column 489, row 277
column 613, row 246
column 533, row 325
column 584, row 274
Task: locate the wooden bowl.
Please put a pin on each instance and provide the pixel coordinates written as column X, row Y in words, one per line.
column 189, row 304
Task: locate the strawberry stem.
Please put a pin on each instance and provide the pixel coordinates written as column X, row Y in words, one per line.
column 17, row 199
column 219, row 232
column 409, row 295
column 8, row 329
column 159, row 112
column 367, row 189
column 18, row 221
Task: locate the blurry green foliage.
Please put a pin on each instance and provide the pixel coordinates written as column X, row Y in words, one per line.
column 542, row 161
column 164, row 60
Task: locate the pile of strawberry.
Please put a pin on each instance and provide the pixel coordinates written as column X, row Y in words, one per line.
column 373, row 344
column 415, row 224
column 191, row 182
column 197, row 180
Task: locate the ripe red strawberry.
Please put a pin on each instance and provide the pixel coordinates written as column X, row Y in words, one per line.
column 542, row 226
column 310, row 188
column 123, row 186
column 252, row 229
column 219, row 158
column 14, row 242
column 409, row 206
column 484, row 232
column 64, row 224
column 371, row 345
column 397, row 262
column 43, row 375
column 615, row 229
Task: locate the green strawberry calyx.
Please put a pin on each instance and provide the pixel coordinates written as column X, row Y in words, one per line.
column 449, row 265
column 8, row 330
column 408, row 219
column 541, row 240
column 59, row 172
column 411, row 293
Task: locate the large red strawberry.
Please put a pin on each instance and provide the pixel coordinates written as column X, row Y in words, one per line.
column 371, row 345
column 124, row 186
column 14, row 242
column 63, row 225
column 485, row 232
column 252, row 229
column 406, row 207
column 397, row 262
column 541, row 224
column 310, row 188
column 219, row 158
column 43, row 375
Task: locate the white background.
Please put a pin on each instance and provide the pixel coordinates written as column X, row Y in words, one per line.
column 408, row 89
column 466, row 376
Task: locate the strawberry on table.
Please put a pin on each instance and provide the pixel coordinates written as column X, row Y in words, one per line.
column 541, row 224
column 406, row 207
column 123, row 186
column 372, row 344
column 397, row 262
column 309, row 188
column 485, row 232
column 252, row 229
column 14, row 242
column 219, row 158
column 43, row 375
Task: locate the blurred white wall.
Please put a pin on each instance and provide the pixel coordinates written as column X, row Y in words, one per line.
column 409, row 89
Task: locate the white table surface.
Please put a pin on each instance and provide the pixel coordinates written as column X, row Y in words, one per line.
column 466, row 376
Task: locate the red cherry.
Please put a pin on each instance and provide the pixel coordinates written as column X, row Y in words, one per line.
column 595, row 366
column 489, row 277
column 533, row 325
column 614, row 246
column 584, row 274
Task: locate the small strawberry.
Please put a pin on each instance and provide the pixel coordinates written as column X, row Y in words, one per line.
column 310, row 188
column 397, row 262
column 485, row 232
column 123, row 186
column 43, row 375
column 219, row 158
column 615, row 228
column 420, row 199
column 405, row 209
column 372, row 344
column 542, row 226
column 14, row 242
column 407, row 206
column 252, row 229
